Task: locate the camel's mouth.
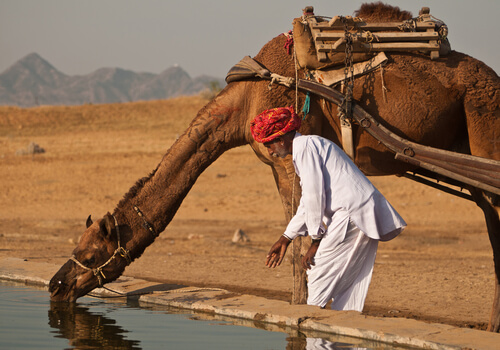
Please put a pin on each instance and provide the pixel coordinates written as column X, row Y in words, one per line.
column 62, row 286
column 69, row 289
column 61, row 291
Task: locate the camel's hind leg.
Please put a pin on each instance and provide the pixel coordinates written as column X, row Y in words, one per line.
column 482, row 111
column 491, row 212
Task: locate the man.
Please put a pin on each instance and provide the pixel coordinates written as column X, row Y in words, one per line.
column 340, row 209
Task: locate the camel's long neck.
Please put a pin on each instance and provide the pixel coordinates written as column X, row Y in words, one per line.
column 217, row 128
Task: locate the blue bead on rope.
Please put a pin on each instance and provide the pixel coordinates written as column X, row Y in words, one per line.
column 307, row 105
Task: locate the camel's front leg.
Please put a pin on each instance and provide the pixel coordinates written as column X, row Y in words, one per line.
column 493, row 224
column 290, row 192
column 494, row 324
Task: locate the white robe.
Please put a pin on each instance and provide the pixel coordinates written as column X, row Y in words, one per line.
column 343, row 207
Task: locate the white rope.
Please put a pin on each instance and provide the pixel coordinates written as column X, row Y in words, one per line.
column 384, row 89
column 296, row 79
column 276, row 78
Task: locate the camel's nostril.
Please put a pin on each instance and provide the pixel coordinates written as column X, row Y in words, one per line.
column 55, row 286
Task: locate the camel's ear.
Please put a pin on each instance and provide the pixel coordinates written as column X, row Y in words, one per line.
column 107, row 225
column 89, row 221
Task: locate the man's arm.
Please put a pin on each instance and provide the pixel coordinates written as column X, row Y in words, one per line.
column 313, row 200
column 308, row 259
column 277, row 252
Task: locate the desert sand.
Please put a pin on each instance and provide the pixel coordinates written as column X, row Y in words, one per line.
column 439, row 270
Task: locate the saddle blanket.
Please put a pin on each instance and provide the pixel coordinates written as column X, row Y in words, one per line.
column 333, row 76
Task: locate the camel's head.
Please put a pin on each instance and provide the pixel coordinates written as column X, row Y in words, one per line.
column 96, row 260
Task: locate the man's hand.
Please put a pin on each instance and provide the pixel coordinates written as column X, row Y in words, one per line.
column 308, row 259
column 277, row 252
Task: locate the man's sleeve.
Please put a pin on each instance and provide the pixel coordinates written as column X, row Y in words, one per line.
column 312, row 203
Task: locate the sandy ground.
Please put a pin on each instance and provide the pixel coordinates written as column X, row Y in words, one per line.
column 440, row 269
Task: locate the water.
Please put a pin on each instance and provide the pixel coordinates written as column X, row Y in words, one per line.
column 30, row 321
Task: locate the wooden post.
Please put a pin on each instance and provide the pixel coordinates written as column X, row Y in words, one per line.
column 299, row 294
column 299, row 245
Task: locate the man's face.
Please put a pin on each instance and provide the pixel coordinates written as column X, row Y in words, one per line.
column 277, row 148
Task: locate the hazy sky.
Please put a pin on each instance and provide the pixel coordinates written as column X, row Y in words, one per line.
column 202, row 36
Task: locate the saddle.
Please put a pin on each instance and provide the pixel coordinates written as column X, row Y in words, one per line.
column 321, row 44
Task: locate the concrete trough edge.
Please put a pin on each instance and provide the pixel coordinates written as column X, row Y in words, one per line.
column 376, row 336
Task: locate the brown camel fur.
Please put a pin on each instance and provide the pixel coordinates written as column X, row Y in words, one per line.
column 451, row 103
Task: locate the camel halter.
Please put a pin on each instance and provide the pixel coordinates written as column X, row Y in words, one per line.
column 124, row 253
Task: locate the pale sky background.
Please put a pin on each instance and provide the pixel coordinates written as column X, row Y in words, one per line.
column 202, row 36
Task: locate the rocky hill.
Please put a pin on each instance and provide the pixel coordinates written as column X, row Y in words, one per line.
column 33, row 81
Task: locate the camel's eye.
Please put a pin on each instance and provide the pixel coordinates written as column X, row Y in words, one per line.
column 89, row 262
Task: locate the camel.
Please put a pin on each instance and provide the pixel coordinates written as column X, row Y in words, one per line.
column 450, row 103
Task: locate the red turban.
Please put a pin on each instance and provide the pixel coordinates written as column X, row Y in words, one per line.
column 273, row 123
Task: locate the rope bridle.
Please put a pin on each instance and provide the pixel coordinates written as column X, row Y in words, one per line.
column 124, row 253
column 119, row 251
